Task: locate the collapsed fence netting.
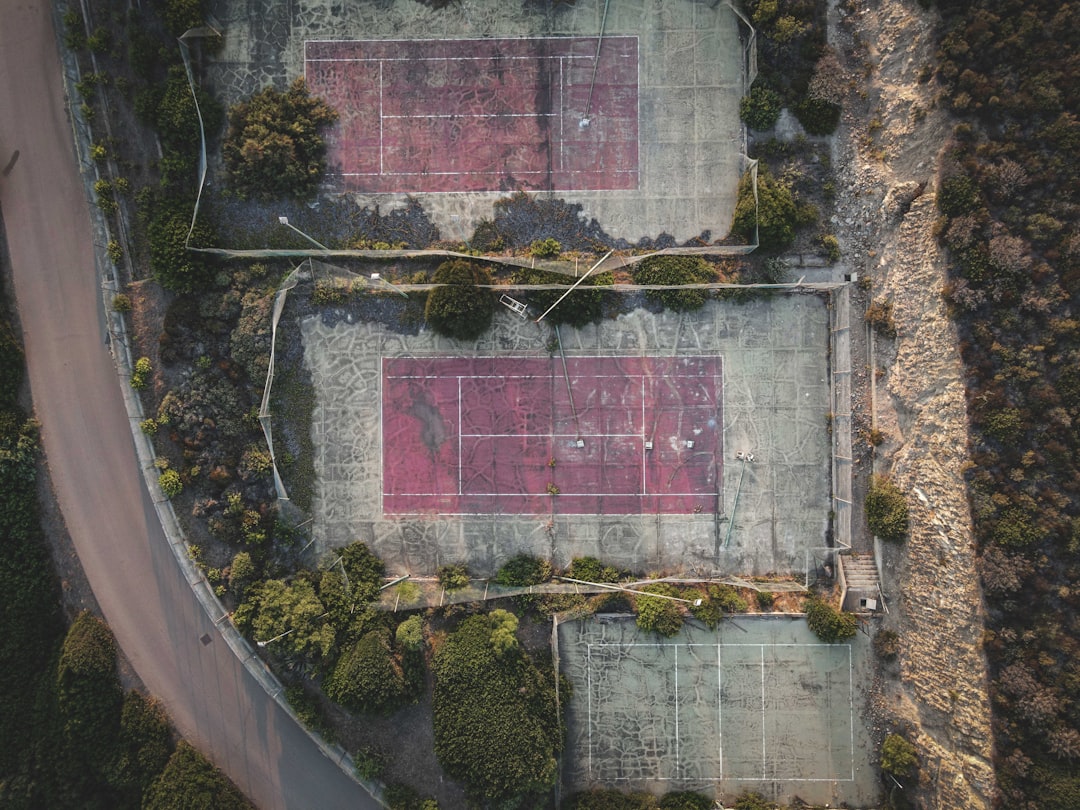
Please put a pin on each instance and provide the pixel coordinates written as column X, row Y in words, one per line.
column 750, row 165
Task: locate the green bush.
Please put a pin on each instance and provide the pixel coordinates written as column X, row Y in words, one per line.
column 140, row 375
column 828, row 623
column 453, row 577
column 496, row 726
column 886, row 645
column 170, row 483
column 523, row 570
column 761, row 109
column 88, row 690
column 674, row 270
column 242, row 573
column 545, row 248
column 173, row 266
column 718, row 600
column 180, row 15
column 367, row 677
column 274, row 147
column 409, row 635
column 610, row 799
column 886, row 510
column 898, row 756
column 121, row 303
column 583, row 306
column 958, row 196
column 775, row 215
column 459, row 308
column 660, row 616
column 685, row 800
column 753, row 801
column 590, row 569
column 818, row 116
column 190, row 781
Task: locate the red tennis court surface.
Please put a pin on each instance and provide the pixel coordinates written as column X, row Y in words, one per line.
column 480, row 114
column 488, row 435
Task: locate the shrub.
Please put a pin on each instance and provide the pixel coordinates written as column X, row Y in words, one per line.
column 189, row 780
column 180, row 15
column 753, row 801
column 274, row 148
column 718, row 600
column 115, row 253
column 583, row 306
column 765, row 599
column 898, row 756
column 886, row 510
column 149, row 427
column 523, row 570
column 170, row 483
column 590, row 569
column 818, row 116
column 453, row 577
column 886, row 645
column 459, row 309
column 172, row 265
column 828, row 623
column 761, row 109
column 496, row 725
column 685, row 800
column 880, row 316
column 674, row 270
column 367, row 677
column 775, row 214
column 660, row 616
column 140, row 375
column 545, row 248
column 958, row 196
column 831, row 246
column 610, row 799
column 410, row 634
column 241, row 573
column 87, row 689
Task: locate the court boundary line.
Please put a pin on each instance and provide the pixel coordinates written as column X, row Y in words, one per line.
column 715, row 407
column 562, row 93
column 719, row 669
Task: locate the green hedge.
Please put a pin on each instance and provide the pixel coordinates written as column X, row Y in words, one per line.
column 459, row 309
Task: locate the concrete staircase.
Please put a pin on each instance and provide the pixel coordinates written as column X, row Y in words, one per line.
column 860, row 579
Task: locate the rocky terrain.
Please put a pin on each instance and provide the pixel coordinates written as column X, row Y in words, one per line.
column 886, row 157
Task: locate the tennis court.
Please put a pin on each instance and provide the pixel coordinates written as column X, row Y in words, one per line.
column 603, row 435
column 759, row 704
column 538, row 113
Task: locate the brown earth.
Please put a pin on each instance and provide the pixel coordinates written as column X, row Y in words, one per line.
column 886, row 157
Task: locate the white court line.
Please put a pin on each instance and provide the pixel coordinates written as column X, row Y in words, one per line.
column 644, row 485
column 382, row 151
column 763, row 761
column 720, row 708
column 676, row 710
column 425, row 116
column 459, row 464
column 851, row 708
column 562, row 119
column 563, row 494
column 488, row 171
column 447, row 58
column 588, row 669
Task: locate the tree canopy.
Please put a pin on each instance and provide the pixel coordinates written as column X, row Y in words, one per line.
column 274, row 147
column 190, row 782
column 496, row 725
column 459, row 309
column 774, row 214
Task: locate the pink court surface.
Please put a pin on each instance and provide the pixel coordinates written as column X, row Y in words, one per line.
column 537, row 114
column 504, row 435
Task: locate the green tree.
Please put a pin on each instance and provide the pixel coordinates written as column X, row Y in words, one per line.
column 410, row 634
column 773, row 216
column 828, row 623
column 365, row 571
column 453, row 576
column 661, row 616
column 241, row 573
column 190, row 782
column 368, row 677
column 145, row 746
column 174, row 267
column 674, row 270
column 459, row 309
column 292, row 615
column 504, row 625
column 886, row 510
column 274, row 147
column 496, row 727
column 898, row 756
column 180, row 15
column 761, row 109
column 88, row 690
column 817, row 115
column 590, row 569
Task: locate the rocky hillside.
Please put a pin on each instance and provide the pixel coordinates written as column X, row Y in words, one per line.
column 886, row 156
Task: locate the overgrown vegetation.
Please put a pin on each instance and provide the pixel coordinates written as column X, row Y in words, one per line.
column 828, row 623
column 886, row 509
column 674, row 270
column 274, row 147
column 583, row 306
column 460, row 309
column 772, row 218
column 496, row 728
column 1008, row 199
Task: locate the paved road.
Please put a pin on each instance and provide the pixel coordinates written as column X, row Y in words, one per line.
column 212, row 700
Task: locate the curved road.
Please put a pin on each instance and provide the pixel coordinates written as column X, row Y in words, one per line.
column 210, row 697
